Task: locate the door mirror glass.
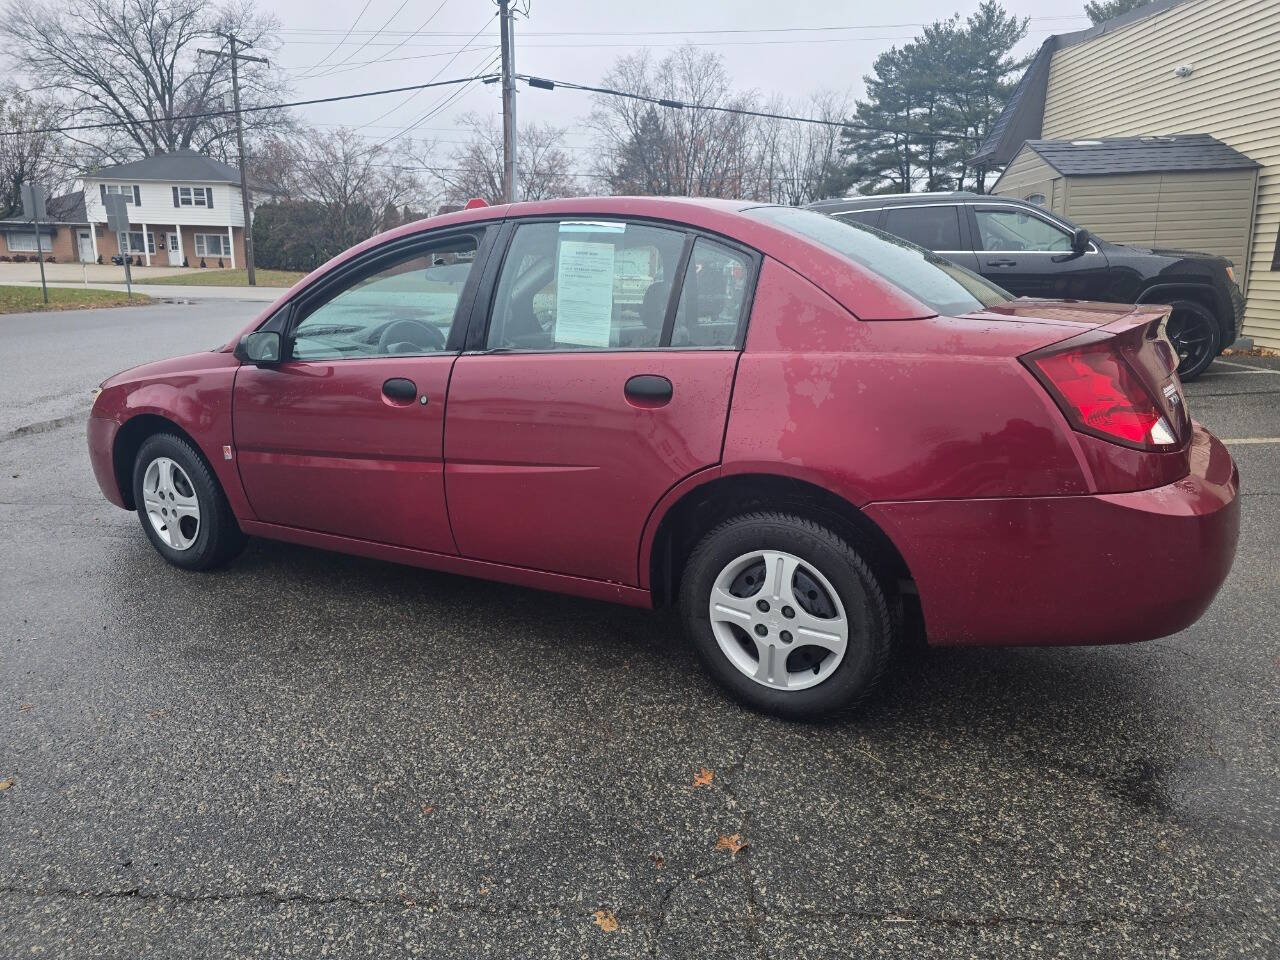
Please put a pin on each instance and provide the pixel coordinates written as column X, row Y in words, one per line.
column 1080, row 240
column 261, row 347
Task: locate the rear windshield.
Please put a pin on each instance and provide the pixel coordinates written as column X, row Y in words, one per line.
column 939, row 284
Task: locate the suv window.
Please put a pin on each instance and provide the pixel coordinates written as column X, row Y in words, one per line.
column 712, row 296
column 1016, row 231
column 403, row 308
column 932, row 227
column 936, row 282
column 868, row 218
column 583, row 285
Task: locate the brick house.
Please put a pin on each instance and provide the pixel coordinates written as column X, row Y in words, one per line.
column 185, row 208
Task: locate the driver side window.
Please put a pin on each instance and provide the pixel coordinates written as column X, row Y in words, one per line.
column 1012, row 231
column 405, row 307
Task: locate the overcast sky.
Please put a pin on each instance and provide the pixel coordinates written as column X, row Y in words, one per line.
column 578, row 40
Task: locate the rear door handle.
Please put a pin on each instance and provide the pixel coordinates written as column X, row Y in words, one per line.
column 398, row 388
column 1002, row 263
column 648, row 390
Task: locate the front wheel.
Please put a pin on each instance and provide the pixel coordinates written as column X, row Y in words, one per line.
column 1196, row 336
column 786, row 615
column 181, row 505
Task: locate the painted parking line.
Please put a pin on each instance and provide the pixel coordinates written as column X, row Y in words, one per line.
column 1249, row 440
column 1245, row 366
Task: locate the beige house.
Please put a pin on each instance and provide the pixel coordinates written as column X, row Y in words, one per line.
column 1171, row 67
column 1188, row 192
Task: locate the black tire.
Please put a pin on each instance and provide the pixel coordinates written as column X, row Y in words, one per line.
column 1196, row 335
column 219, row 538
column 871, row 631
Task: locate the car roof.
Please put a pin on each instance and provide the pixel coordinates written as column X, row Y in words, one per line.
column 863, row 292
column 872, row 201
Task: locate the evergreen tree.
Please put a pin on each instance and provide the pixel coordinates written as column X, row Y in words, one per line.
column 1099, row 11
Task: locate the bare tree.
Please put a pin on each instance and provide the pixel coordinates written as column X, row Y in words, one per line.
column 134, row 62
column 545, row 169
column 25, row 157
column 644, row 148
column 795, row 161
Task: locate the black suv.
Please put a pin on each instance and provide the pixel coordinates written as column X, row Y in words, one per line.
column 1034, row 253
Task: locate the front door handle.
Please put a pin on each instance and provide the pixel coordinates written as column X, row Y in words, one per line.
column 648, row 390
column 1002, row 263
column 398, row 388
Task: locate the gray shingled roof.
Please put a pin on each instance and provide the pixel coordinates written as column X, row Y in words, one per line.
column 1185, row 152
column 68, row 208
column 181, row 165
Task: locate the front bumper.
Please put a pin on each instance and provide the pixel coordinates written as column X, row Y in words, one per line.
column 102, row 436
column 1107, row 568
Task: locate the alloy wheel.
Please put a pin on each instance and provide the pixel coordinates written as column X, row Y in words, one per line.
column 778, row 620
column 1191, row 337
column 171, row 503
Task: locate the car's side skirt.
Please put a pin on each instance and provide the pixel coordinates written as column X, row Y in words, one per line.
column 463, row 566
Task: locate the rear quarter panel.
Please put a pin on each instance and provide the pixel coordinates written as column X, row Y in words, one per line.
column 932, row 408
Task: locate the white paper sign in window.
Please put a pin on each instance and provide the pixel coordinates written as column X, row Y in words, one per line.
column 584, row 293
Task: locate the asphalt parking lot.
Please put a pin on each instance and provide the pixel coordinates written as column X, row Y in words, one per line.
column 314, row 755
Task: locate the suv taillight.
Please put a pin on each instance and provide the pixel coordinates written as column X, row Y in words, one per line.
column 1101, row 394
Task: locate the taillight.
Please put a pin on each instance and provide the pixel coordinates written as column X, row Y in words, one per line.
column 1101, row 394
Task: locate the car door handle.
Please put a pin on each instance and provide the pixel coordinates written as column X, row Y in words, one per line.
column 398, row 388
column 1002, row 263
column 648, row 390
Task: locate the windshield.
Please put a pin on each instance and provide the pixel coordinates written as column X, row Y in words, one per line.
column 939, row 284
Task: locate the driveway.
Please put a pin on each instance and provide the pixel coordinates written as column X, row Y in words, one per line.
column 314, row 755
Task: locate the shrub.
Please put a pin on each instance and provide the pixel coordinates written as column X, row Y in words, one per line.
column 219, row 263
column 51, row 259
column 19, row 258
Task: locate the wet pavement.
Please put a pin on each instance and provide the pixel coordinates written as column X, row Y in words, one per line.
column 307, row 754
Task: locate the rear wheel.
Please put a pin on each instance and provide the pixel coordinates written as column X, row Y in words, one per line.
column 1196, row 336
column 181, row 505
column 786, row 615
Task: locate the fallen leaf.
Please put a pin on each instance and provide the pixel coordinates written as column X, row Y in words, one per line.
column 606, row 921
column 703, row 778
column 26, row 707
column 6, row 784
column 428, row 808
column 733, row 844
column 658, row 860
column 156, row 714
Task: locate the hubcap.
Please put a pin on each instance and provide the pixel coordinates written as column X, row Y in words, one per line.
column 778, row 620
column 171, row 503
column 1190, row 336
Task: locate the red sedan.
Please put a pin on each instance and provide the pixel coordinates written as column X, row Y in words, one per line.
column 803, row 432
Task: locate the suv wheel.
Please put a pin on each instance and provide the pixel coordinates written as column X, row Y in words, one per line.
column 1196, row 336
column 786, row 615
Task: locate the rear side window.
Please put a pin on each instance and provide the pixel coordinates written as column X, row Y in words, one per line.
column 712, row 296
column 937, row 283
column 868, row 218
column 934, row 228
column 585, row 285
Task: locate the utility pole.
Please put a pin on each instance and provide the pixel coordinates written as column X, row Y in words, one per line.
column 510, row 183
column 245, row 201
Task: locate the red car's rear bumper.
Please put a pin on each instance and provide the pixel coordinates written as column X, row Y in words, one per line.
column 1108, row 568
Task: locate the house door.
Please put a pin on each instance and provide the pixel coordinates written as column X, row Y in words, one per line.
column 175, row 252
column 85, row 247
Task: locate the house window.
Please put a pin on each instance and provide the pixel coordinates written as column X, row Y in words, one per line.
column 1039, row 199
column 130, row 191
column 23, row 243
column 212, row 245
column 193, row 197
column 134, row 242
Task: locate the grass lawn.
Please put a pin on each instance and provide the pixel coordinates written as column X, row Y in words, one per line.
column 230, row 278
column 26, row 299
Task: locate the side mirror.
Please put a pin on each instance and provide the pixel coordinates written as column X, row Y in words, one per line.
column 1080, row 240
column 262, row 347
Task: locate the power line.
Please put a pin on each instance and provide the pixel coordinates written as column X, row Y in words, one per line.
column 386, row 23
column 440, row 105
column 459, row 53
column 254, row 109
column 731, row 30
column 541, row 83
column 354, row 23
